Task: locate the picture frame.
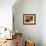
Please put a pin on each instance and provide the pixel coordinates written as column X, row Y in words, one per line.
column 29, row 19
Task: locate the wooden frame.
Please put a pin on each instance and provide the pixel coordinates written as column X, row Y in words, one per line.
column 29, row 19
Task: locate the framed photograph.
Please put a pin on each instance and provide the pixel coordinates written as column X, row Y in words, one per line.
column 29, row 19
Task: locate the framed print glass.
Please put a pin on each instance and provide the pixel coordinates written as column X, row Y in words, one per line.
column 29, row 19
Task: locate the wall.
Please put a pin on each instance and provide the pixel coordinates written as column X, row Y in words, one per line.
column 6, row 13
column 32, row 32
column 43, row 22
column 6, row 16
column 26, row 7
